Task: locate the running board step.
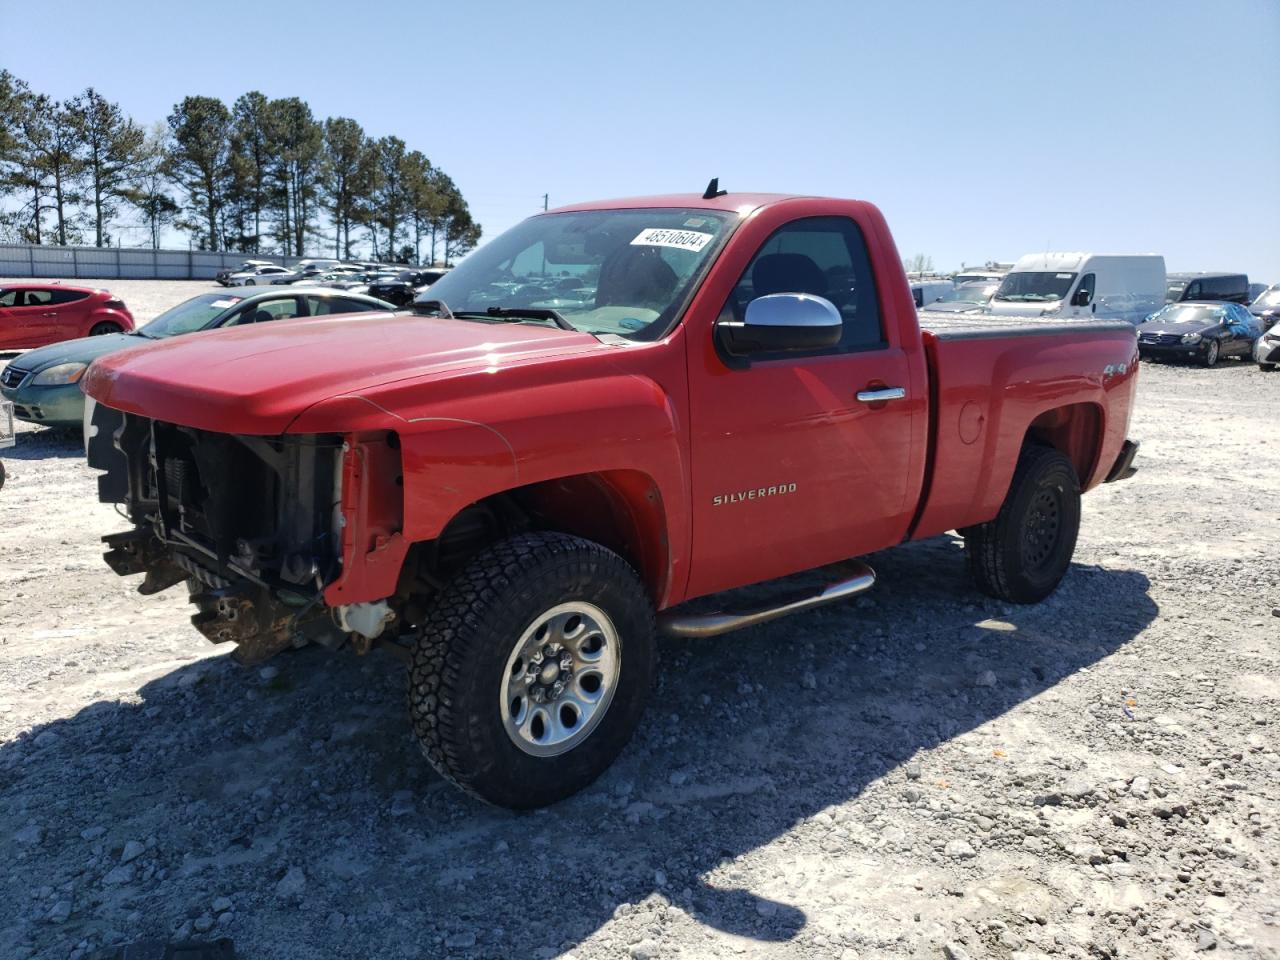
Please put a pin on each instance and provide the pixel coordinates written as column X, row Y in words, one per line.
column 692, row 626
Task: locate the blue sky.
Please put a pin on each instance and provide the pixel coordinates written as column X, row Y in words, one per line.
column 983, row 130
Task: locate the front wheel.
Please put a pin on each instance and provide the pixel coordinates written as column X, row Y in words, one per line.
column 1023, row 553
column 250, row 283
column 532, row 668
column 1211, row 354
column 105, row 327
column 1266, row 367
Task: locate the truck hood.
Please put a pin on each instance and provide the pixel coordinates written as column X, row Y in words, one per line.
column 257, row 379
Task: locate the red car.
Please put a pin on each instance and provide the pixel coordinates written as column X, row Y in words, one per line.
column 36, row 314
column 609, row 410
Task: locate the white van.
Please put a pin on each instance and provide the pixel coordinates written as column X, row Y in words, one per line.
column 1082, row 286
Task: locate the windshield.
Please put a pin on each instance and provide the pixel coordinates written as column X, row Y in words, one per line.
column 189, row 315
column 624, row 272
column 1034, row 286
column 1179, row 313
column 1268, row 298
column 1173, row 292
column 969, row 293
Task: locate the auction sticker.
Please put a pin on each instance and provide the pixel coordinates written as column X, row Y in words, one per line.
column 693, row 240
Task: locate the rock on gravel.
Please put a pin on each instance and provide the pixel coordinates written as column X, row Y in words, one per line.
column 292, row 884
column 132, row 851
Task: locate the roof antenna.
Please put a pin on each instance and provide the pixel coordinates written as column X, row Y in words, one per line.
column 713, row 190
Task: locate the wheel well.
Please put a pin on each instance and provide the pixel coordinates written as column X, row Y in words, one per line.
column 1074, row 430
column 619, row 509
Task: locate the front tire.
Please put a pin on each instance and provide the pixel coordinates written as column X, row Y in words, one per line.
column 532, row 669
column 250, row 283
column 1211, row 353
column 1266, row 367
column 1022, row 555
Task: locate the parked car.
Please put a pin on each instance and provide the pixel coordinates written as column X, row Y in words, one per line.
column 402, row 287
column 1229, row 287
column 1065, row 286
column 1267, row 306
column 512, row 492
column 35, row 314
column 8, row 437
column 979, row 276
column 315, row 265
column 927, row 292
column 971, row 297
column 44, row 384
column 248, row 266
column 1267, row 349
column 262, row 275
column 338, row 280
column 1204, row 331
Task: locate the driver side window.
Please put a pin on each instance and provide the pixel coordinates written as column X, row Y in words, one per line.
column 823, row 256
column 1084, row 293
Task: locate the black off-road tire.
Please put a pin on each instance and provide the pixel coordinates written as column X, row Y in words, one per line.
column 105, row 327
column 459, row 666
column 1023, row 554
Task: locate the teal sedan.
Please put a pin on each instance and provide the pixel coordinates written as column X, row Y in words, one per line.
column 44, row 384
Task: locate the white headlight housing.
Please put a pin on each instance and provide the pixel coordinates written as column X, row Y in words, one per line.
column 1191, row 338
column 60, row 374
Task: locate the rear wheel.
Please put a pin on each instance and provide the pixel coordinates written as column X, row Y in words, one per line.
column 532, row 669
column 1023, row 553
column 105, row 327
column 1211, row 354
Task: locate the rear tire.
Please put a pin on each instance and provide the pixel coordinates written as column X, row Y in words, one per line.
column 1022, row 555
column 486, row 709
column 105, row 327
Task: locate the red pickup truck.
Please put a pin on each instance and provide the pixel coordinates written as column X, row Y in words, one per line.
column 609, row 410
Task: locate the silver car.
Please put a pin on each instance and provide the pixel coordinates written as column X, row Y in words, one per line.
column 1266, row 349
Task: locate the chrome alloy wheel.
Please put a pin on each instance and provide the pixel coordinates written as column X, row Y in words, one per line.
column 560, row 679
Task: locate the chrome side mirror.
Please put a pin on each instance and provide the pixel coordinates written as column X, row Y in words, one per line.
column 783, row 322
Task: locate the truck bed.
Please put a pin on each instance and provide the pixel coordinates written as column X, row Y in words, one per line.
column 989, row 377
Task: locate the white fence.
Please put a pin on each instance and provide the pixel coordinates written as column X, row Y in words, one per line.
column 115, row 263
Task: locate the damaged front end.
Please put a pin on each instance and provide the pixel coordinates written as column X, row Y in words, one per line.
column 256, row 526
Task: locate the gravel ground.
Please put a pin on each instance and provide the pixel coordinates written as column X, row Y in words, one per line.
column 919, row 773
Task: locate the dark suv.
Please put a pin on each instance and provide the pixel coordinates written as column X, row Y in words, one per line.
column 1231, row 287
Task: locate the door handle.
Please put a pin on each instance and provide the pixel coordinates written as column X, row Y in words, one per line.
column 882, row 394
column 49, row 314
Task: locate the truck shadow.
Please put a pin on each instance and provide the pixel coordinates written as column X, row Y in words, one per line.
column 233, row 779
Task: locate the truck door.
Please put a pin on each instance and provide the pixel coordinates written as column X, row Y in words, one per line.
column 797, row 461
